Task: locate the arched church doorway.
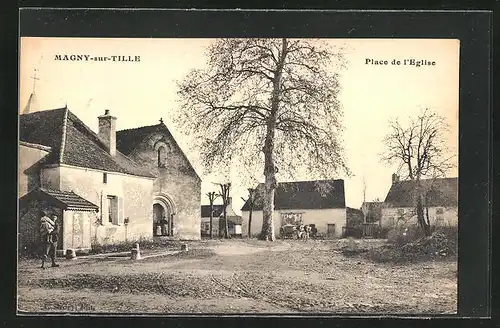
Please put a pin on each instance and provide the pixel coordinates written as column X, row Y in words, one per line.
column 163, row 216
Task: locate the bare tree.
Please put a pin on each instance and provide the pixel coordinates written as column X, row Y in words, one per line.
column 266, row 103
column 420, row 150
column 251, row 203
column 224, row 193
column 211, row 198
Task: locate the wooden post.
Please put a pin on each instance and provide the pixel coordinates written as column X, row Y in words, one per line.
column 135, row 253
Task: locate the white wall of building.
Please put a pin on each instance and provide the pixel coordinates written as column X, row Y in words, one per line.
column 134, row 194
column 320, row 217
column 447, row 216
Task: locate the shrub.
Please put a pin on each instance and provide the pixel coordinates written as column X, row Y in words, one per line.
column 400, row 236
column 383, row 232
column 436, row 246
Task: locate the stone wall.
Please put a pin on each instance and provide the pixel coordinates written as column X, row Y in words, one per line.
column 176, row 181
column 29, row 225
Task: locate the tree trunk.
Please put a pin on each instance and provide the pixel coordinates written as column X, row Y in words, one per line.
column 211, row 218
column 420, row 217
column 250, row 223
column 226, row 230
column 267, row 232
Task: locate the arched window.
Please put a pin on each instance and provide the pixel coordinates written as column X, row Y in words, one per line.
column 162, row 156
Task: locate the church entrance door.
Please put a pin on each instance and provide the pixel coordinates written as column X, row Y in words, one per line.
column 161, row 221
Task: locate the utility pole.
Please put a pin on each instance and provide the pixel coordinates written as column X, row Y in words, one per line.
column 211, row 197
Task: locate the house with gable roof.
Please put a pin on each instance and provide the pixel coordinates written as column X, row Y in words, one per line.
column 234, row 220
column 118, row 181
column 440, row 202
column 320, row 203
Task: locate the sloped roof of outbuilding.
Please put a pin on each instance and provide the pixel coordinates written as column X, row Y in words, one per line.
column 66, row 200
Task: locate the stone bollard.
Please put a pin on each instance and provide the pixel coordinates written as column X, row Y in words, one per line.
column 70, row 254
column 135, row 253
column 184, row 247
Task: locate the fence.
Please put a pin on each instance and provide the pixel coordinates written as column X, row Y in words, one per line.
column 364, row 230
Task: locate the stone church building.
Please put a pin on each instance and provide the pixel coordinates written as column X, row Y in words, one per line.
column 105, row 187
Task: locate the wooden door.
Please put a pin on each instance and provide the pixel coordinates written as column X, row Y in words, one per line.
column 330, row 231
column 77, row 230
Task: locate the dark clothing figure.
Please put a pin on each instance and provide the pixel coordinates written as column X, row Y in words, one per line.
column 314, row 232
column 155, row 228
column 163, row 225
column 49, row 245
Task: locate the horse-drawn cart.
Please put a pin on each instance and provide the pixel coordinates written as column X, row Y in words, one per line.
column 288, row 231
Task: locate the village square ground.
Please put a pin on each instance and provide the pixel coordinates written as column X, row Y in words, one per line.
column 240, row 276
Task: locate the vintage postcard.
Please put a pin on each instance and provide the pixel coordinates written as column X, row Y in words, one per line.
column 250, row 176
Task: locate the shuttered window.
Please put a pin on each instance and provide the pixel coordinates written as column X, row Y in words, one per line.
column 120, row 215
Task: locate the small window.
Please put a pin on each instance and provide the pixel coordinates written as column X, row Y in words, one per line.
column 162, row 154
column 439, row 210
column 104, row 178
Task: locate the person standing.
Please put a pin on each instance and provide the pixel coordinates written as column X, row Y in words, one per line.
column 54, row 240
column 46, row 228
column 163, row 225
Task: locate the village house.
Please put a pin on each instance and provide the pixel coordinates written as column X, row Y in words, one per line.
column 106, row 187
column 318, row 203
column 440, row 202
column 233, row 220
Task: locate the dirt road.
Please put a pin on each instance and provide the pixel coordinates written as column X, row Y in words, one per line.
column 240, row 276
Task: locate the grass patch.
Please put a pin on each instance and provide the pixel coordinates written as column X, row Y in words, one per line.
column 144, row 244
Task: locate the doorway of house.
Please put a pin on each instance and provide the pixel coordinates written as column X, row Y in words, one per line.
column 330, row 231
column 161, row 221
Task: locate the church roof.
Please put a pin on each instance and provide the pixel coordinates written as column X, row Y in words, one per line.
column 73, row 143
column 128, row 140
column 319, row 194
column 441, row 192
column 66, row 200
column 32, row 104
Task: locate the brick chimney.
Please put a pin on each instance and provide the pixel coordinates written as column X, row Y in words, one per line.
column 395, row 178
column 107, row 131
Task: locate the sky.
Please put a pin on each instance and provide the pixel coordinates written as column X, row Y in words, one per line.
column 140, row 93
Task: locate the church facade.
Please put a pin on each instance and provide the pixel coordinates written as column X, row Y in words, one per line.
column 105, row 187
